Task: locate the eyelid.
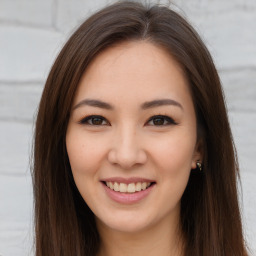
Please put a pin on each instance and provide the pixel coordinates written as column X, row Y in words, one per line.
column 170, row 120
column 85, row 120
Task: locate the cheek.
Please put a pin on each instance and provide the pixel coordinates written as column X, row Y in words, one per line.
column 173, row 160
column 84, row 153
column 174, row 155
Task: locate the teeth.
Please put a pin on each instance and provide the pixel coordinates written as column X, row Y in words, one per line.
column 128, row 188
column 116, row 186
column 138, row 186
column 131, row 188
column 123, row 187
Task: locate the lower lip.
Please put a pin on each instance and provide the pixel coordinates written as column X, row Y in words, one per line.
column 127, row 198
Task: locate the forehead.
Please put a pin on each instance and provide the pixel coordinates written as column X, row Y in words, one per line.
column 131, row 71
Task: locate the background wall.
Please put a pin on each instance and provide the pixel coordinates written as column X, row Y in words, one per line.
column 31, row 34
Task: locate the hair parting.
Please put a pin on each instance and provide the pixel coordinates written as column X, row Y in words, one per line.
column 210, row 215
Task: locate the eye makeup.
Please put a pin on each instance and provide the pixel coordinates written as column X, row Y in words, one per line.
column 156, row 120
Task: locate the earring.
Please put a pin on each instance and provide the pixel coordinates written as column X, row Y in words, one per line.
column 199, row 166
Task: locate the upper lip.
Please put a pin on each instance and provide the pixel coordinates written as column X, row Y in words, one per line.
column 127, row 180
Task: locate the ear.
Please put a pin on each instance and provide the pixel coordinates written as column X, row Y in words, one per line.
column 198, row 154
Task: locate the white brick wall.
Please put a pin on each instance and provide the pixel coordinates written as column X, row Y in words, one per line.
column 31, row 34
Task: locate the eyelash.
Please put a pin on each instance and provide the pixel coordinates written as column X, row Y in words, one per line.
column 169, row 120
column 86, row 120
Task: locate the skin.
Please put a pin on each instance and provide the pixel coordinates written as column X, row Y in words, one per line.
column 126, row 142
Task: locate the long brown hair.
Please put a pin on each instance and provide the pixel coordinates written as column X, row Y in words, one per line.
column 210, row 216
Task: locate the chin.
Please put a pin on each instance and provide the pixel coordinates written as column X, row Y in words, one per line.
column 125, row 223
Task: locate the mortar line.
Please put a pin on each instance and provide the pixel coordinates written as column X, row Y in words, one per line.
column 22, row 82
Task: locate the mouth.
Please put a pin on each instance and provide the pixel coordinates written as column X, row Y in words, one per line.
column 128, row 191
column 130, row 188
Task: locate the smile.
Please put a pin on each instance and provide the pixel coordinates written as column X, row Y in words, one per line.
column 128, row 191
column 128, row 188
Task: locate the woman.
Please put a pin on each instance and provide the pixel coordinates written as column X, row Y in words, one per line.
column 133, row 150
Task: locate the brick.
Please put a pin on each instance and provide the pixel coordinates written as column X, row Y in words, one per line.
column 15, row 215
column 211, row 6
column 15, row 150
column 27, row 53
column 248, row 207
column 29, row 12
column 240, row 89
column 71, row 13
column 19, row 101
column 227, row 27
column 243, row 125
column 234, row 40
column 29, row 44
column 230, row 37
column 16, row 242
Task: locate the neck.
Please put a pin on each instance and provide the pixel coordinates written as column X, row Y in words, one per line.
column 156, row 240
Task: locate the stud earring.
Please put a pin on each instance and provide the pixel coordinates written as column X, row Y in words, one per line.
column 199, row 166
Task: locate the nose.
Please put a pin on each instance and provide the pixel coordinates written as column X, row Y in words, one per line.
column 126, row 149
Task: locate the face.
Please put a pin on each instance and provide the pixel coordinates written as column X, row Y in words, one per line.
column 131, row 138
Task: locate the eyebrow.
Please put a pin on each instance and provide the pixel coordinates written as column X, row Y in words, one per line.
column 160, row 102
column 145, row 105
column 94, row 103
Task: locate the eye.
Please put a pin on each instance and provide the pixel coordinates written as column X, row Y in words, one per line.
column 161, row 120
column 94, row 120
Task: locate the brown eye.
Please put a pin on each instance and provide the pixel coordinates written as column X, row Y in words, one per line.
column 94, row 120
column 161, row 121
column 158, row 121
